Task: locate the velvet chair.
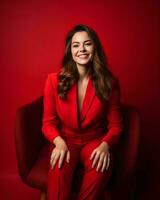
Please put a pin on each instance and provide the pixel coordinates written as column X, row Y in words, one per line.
column 32, row 151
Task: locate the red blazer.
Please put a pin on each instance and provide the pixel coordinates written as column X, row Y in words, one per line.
column 96, row 119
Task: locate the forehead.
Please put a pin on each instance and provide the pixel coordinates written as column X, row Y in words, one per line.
column 80, row 36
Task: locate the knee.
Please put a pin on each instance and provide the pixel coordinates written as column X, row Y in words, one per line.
column 93, row 170
column 65, row 168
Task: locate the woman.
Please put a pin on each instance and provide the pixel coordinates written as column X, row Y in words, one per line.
column 81, row 117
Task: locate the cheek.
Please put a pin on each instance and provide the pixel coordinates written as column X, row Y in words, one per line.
column 91, row 50
column 92, row 53
column 73, row 52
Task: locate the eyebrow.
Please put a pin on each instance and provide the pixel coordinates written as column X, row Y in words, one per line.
column 78, row 42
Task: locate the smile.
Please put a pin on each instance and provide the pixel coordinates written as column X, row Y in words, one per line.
column 83, row 56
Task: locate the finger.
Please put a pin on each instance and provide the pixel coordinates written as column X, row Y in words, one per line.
column 55, row 160
column 104, row 163
column 100, row 161
column 95, row 159
column 68, row 156
column 108, row 160
column 52, row 157
column 93, row 154
column 62, row 154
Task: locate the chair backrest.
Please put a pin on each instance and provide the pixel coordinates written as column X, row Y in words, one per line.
column 28, row 136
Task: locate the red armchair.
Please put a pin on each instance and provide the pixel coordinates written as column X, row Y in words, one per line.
column 32, row 151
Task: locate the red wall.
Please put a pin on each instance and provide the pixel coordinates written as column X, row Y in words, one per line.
column 32, row 45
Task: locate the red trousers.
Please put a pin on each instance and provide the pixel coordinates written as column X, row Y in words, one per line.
column 93, row 182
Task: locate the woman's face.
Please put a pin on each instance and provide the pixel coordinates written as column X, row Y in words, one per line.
column 82, row 48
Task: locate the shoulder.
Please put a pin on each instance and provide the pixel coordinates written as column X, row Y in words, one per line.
column 53, row 77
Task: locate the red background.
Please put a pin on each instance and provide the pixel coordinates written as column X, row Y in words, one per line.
column 32, row 45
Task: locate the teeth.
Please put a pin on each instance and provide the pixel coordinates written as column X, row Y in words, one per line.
column 83, row 56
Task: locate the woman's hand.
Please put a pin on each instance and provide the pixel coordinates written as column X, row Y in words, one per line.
column 102, row 156
column 59, row 152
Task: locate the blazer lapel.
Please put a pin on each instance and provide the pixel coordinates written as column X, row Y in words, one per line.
column 72, row 105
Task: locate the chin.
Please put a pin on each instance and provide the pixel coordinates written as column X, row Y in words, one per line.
column 83, row 62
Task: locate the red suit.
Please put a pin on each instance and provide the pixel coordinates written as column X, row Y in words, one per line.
column 97, row 122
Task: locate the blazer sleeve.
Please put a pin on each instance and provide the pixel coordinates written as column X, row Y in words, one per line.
column 114, row 117
column 50, row 119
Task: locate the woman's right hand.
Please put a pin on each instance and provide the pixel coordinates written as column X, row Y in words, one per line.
column 59, row 152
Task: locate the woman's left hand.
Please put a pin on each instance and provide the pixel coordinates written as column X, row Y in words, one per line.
column 102, row 156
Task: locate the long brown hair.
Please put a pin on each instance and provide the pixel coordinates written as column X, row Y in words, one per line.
column 68, row 74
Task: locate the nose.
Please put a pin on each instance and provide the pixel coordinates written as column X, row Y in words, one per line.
column 82, row 48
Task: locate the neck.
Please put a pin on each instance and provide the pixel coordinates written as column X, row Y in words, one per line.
column 83, row 72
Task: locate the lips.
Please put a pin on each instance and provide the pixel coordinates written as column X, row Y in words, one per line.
column 83, row 56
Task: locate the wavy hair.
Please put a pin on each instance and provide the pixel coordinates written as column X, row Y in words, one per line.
column 68, row 74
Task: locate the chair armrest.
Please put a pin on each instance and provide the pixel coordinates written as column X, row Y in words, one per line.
column 28, row 136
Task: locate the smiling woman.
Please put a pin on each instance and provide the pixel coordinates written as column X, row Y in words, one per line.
column 81, row 118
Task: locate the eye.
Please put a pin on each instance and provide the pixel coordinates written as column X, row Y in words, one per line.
column 76, row 45
column 89, row 43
